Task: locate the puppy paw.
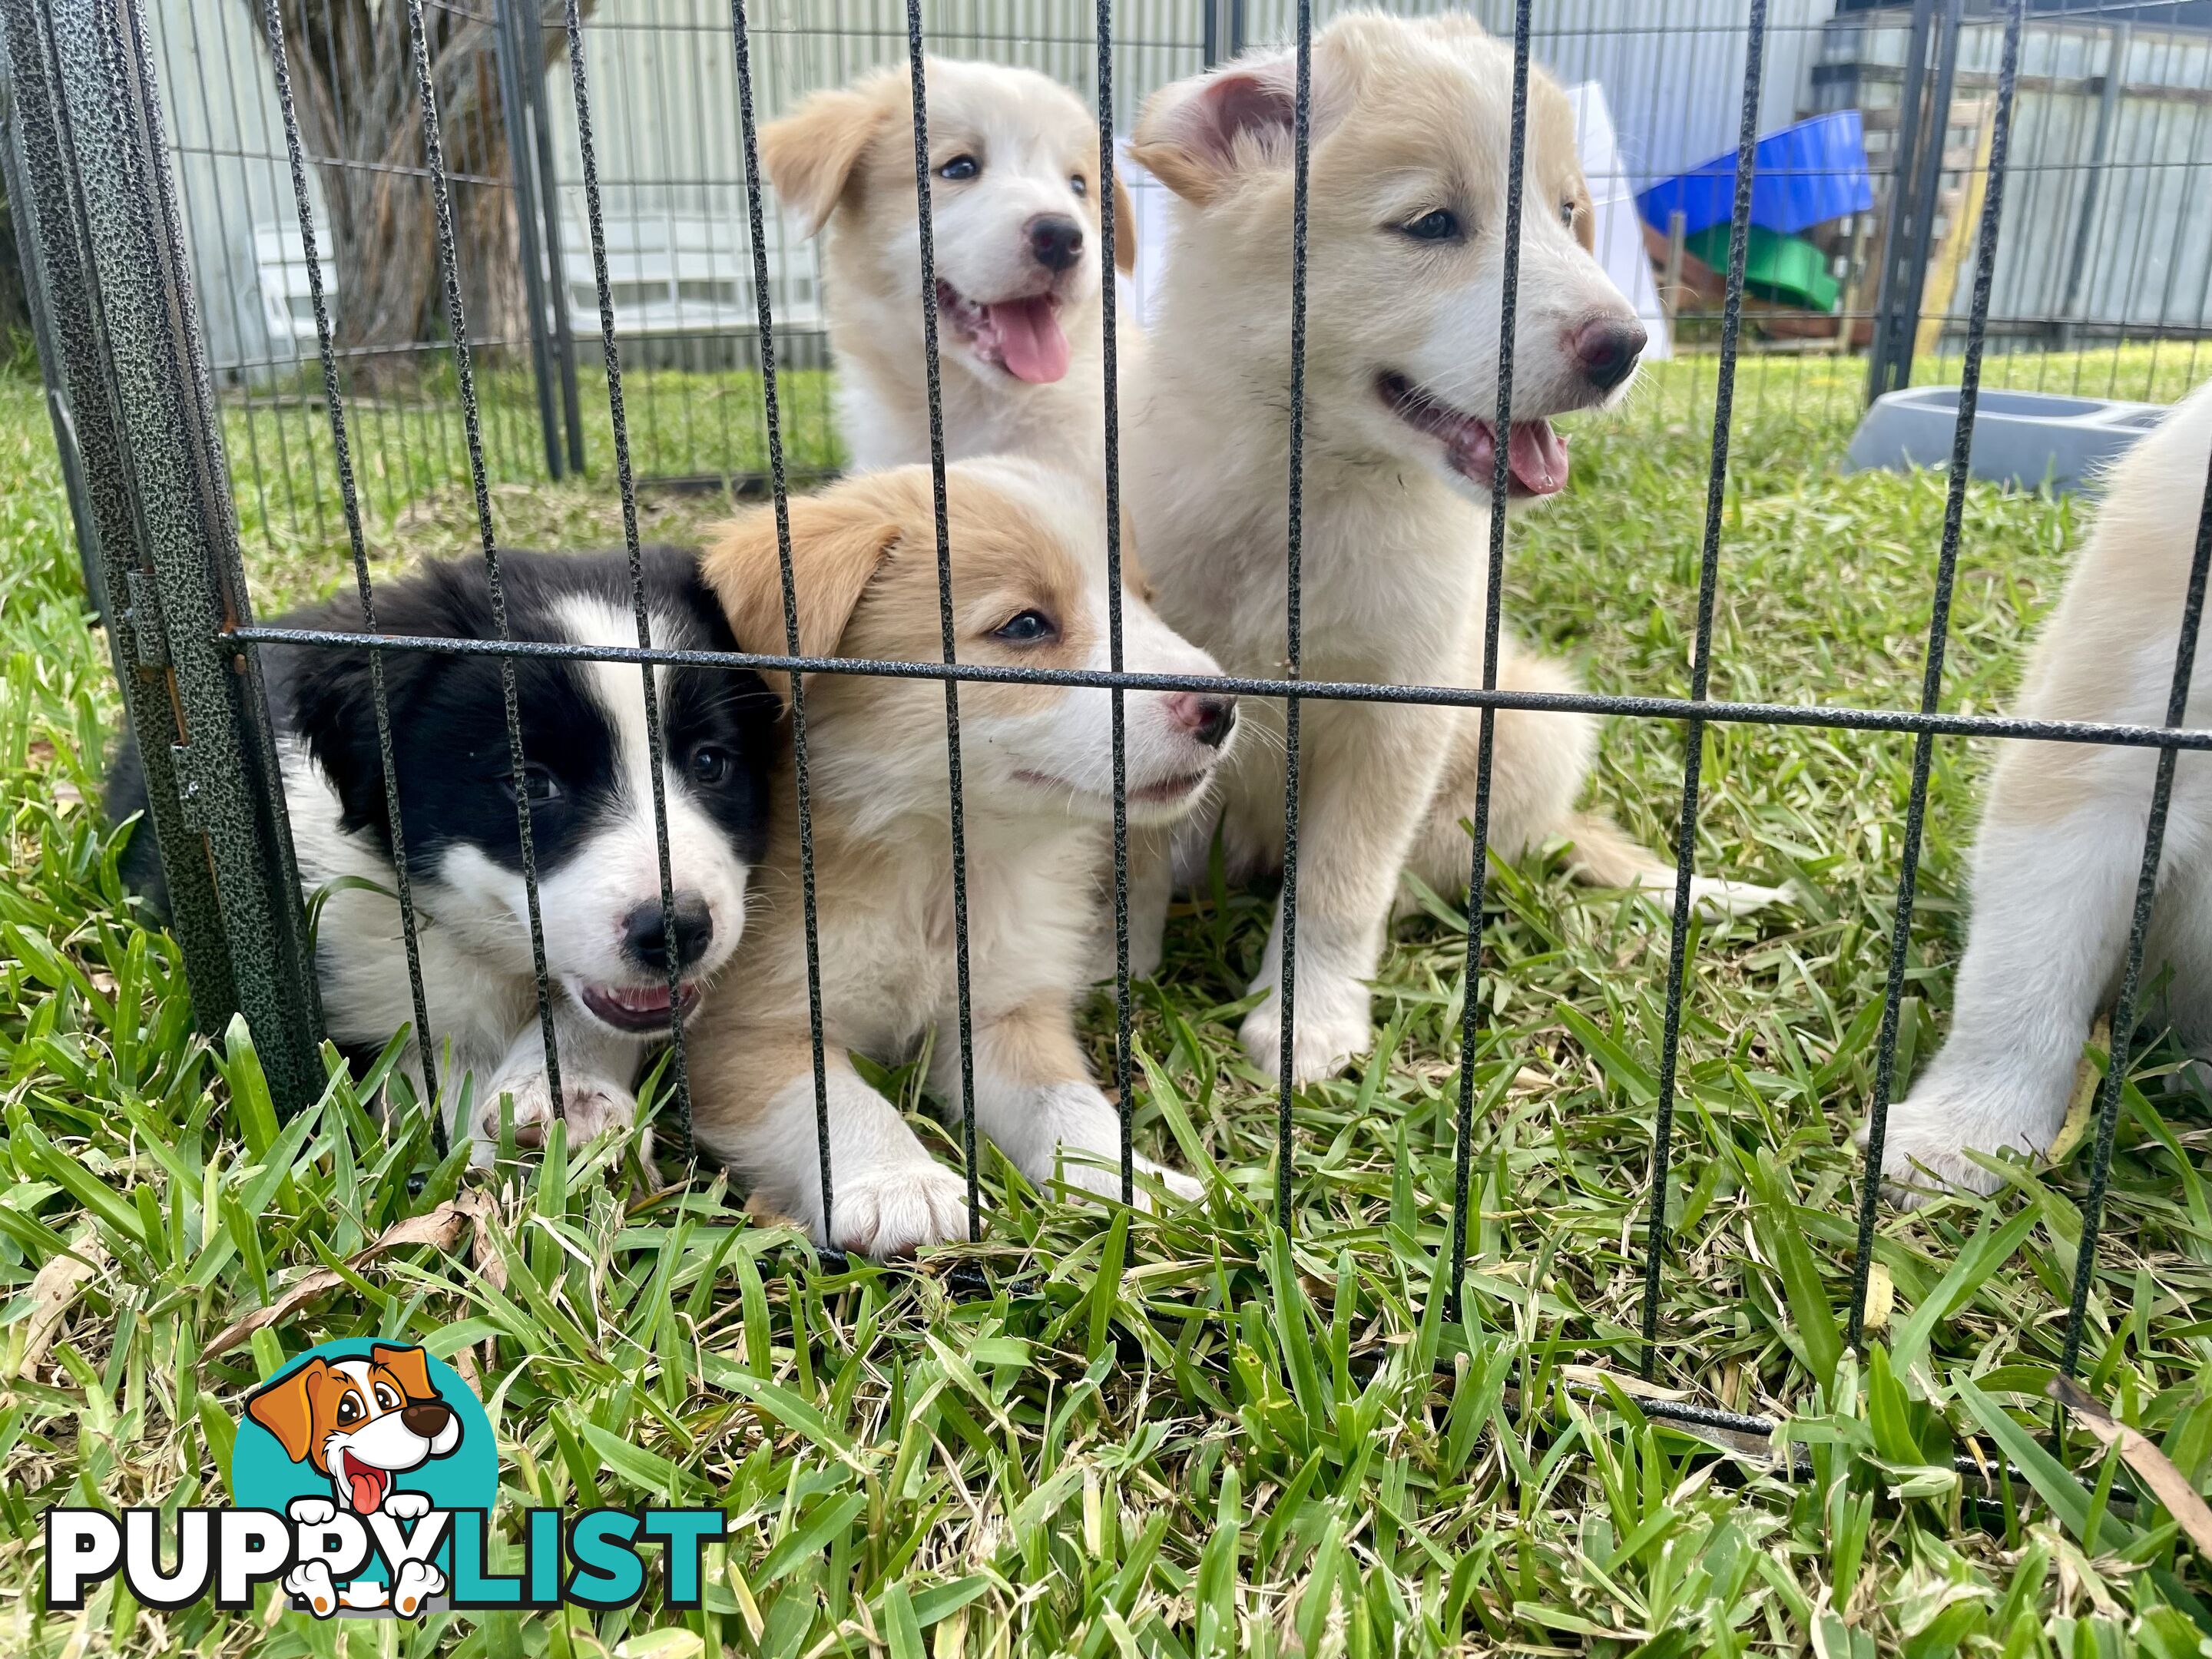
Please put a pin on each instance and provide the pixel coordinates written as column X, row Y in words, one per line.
column 309, row 1584
column 1931, row 1130
column 312, row 1511
column 589, row 1105
column 895, row 1211
column 417, row 1582
column 407, row 1505
column 1334, row 1029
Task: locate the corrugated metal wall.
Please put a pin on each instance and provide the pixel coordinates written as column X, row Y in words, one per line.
column 1672, row 72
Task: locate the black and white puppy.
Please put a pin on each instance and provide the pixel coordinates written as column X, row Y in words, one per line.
column 588, row 781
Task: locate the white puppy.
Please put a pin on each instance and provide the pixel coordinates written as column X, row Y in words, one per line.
column 2061, row 847
column 1014, row 217
column 1029, row 590
column 1411, row 128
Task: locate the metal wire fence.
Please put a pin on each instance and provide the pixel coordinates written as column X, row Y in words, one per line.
column 148, row 425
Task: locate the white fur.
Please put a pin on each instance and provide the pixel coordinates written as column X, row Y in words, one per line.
column 2056, row 867
column 473, row 926
column 1407, row 117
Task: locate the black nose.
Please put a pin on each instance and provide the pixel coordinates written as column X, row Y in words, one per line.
column 1217, row 719
column 1055, row 242
column 426, row 1418
column 645, row 935
column 1607, row 351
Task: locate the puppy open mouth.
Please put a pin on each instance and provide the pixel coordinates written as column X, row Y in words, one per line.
column 635, row 1008
column 1023, row 336
column 365, row 1483
column 1535, row 455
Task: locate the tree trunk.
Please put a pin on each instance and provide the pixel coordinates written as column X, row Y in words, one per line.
column 354, row 86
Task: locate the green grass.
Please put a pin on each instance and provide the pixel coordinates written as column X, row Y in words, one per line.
column 1181, row 1435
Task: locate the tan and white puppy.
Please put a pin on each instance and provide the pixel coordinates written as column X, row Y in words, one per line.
column 1028, row 590
column 1410, row 130
column 2056, row 865
column 1014, row 217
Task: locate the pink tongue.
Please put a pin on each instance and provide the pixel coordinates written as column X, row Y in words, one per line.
column 1538, row 457
column 1030, row 339
column 367, row 1490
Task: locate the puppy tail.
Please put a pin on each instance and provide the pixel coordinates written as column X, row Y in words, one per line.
column 1605, row 856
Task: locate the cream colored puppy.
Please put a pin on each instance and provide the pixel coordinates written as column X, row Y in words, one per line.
column 1028, row 590
column 1411, row 127
column 1014, row 160
column 2061, row 846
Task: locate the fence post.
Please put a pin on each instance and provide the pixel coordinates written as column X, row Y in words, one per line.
column 1224, row 30
column 522, row 171
column 532, row 36
column 1922, row 124
column 134, row 381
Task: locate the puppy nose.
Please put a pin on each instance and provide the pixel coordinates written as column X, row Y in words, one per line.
column 1055, row 241
column 1209, row 719
column 645, row 935
column 1607, row 351
column 425, row 1418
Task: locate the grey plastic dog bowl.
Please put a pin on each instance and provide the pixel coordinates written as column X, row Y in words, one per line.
column 2027, row 439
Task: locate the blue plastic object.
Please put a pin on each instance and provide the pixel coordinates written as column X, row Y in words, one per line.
column 1804, row 175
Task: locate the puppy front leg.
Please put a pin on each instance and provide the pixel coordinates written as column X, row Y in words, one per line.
column 888, row 1196
column 1151, row 880
column 1034, row 1099
column 1367, row 773
column 597, row 1069
column 2051, row 920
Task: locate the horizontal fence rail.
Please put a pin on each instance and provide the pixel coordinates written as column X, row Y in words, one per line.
column 222, row 632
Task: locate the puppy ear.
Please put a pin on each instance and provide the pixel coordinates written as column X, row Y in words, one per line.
column 285, row 1409
column 1125, row 229
column 838, row 542
column 811, row 153
column 1198, row 135
column 410, row 1367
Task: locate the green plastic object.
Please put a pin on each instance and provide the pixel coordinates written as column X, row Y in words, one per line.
column 1787, row 269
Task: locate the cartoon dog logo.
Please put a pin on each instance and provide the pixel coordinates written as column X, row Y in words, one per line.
column 361, row 1423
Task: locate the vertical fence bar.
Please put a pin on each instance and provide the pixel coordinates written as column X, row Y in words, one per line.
column 922, row 172
column 1686, row 842
column 1123, row 1101
column 656, row 737
column 1931, row 683
column 1286, row 984
column 183, row 533
column 1927, row 194
column 433, row 158
column 778, row 483
column 1501, row 476
column 342, row 452
column 50, row 223
column 522, row 175
column 549, row 200
column 1903, row 171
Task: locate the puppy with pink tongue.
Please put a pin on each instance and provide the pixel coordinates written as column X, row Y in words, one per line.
column 1015, row 235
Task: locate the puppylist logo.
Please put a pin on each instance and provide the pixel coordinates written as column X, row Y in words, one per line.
column 366, row 1475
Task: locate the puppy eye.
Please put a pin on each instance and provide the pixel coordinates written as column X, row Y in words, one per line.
column 960, row 169
column 386, row 1397
column 1567, row 214
column 711, row 765
column 538, row 785
column 1440, row 226
column 1078, row 184
column 1029, row 628
column 349, row 1409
